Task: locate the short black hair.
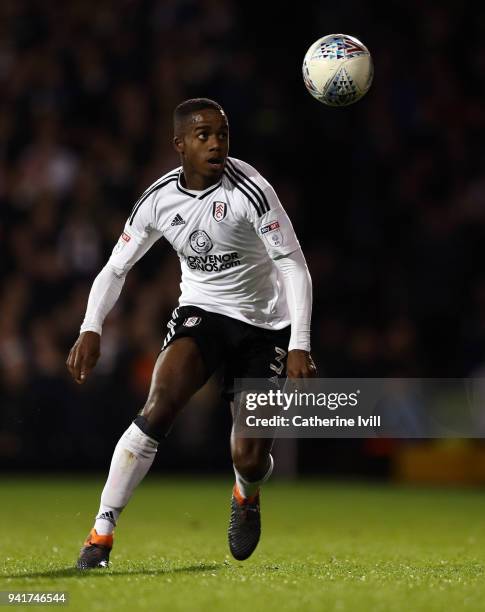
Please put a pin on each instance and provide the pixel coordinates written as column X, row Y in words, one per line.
column 186, row 108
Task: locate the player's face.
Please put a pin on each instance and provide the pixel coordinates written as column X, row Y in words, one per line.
column 204, row 144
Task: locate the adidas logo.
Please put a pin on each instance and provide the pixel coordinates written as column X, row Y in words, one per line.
column 177, row 220
column 107, row 516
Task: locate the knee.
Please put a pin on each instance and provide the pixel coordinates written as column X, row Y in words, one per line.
column 161, row 408
column 251, row 463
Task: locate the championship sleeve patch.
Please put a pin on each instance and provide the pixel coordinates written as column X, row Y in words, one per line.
column 272, row 233
column 270, row 227
column 122, row 242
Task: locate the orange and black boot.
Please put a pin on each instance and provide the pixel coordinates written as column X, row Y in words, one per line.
column 244, row 525
column 95, row 552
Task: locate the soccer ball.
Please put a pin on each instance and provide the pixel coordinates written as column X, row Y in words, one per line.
column 338, row 70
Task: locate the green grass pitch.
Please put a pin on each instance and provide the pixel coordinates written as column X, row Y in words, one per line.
column 324, row 547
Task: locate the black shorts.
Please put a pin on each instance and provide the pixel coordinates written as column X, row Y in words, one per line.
column 244, row 350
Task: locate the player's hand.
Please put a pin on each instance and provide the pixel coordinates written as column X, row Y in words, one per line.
column 300, row 365
column 83, row 356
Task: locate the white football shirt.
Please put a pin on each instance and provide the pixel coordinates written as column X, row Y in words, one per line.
column 226, row 238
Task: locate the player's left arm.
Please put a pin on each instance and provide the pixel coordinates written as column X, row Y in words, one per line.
column 274, row 228
column 298, row 289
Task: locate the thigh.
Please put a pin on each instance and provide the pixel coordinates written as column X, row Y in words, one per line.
column 179, row 372
column 190, row 354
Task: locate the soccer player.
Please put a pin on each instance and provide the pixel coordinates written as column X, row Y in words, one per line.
column 245, row 303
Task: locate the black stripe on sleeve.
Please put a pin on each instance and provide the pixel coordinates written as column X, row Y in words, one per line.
column 261, row 197
column 237, row 184
column 248, row 187
column 149, row 193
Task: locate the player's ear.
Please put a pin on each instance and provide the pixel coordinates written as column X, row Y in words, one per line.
column 178, row 144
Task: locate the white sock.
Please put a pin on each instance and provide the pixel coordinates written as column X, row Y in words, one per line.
column 132, row 458
column 249, row 488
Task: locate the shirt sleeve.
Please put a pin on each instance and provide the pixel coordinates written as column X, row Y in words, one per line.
column 265, row 211
column 137, row 237
column 298, row 288
column 104, row 293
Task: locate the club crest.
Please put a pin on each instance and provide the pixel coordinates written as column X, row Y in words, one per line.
column 219, row 210
column 192, row 321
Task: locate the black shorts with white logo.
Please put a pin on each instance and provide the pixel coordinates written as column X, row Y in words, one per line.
column 245, row 351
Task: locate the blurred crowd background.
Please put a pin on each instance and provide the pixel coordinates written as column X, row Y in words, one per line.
column 387, row 197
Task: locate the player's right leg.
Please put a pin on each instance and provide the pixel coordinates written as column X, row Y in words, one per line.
column 179, row 372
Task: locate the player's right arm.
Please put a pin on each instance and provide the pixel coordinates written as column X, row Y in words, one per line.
column 138, row 236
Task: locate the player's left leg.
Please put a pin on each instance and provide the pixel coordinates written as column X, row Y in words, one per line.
column 253, row 465
column 252, row 461
column 261, row 355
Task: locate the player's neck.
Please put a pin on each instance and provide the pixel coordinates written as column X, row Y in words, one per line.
column 192, row 180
